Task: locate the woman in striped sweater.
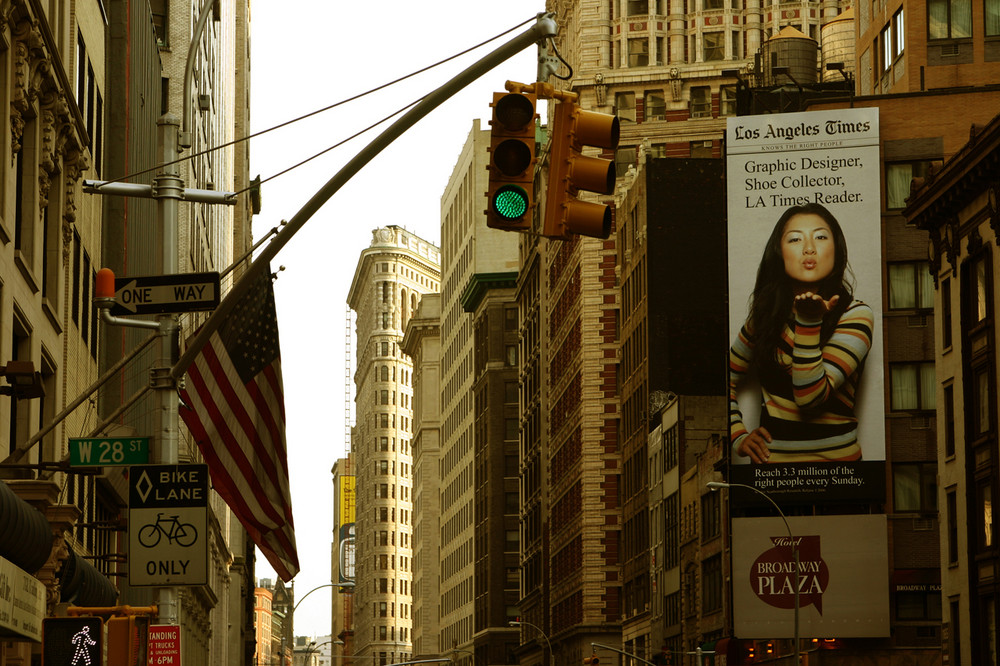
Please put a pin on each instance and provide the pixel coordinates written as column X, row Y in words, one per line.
column 806, row 339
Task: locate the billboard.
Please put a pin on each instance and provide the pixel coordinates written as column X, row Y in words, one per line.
column 805, row 304
column 346, row 516
column 843, row 576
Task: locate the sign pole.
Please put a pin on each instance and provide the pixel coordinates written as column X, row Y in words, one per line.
column 167, row 190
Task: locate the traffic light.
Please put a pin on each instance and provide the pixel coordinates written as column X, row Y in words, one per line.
column 591, row 660
column 72, row 641
column 510, row 198
column 570, row 172
column 127, row 637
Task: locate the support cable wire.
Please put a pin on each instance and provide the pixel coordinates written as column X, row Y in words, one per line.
column 319, row 111
column 569, row 76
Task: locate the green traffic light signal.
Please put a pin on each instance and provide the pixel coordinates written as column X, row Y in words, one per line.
column 512, row 160
column 510, row 202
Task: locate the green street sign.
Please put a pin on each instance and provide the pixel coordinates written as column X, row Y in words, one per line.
column 105, row 451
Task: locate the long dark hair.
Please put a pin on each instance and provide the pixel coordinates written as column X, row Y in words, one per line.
column 773, row 292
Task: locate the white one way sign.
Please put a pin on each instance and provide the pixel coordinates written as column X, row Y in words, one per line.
column 155, row 294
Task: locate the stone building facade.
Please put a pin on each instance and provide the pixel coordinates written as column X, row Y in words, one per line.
column 391, row 278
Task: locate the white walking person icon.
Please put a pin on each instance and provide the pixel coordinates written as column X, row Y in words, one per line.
column 82, row 641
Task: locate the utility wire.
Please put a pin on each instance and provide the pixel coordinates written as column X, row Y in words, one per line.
column 318, row 111
column 326, row 150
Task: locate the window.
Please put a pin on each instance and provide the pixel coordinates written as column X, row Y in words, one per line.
column 984, row 515
column 946, row 313
column 952, row 508
column 510, row 430
column 511, row 355
column 638, row 7
column 885, row 48
column 992, row 18
column 624, row 158
column 510, row 392
column 982, row 400
column 710, row 516
column 712, row 4
column 914, row 487
column 949, row 421
column 510, row 319
column 671, row 532
column 898, row 34
column 161, row 20
column 978, row 290
column 625, row 106
column 655, row 105
column 701, row 102
column 727, row 100
column 701, row 149
column 949, row 19
column 918, row 605
column 711, row 584
column 638, row 52
column 912, row 386
column 910, row 286
column 714, row 44
column 897, row 180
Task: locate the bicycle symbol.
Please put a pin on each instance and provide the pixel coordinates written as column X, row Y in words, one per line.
column 183, row 534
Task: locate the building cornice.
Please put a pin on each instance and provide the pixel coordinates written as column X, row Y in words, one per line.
column 480, row 283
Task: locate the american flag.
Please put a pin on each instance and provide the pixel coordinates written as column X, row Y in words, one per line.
column 234, row 406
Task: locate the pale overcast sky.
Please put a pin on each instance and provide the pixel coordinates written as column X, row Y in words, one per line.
column 306, row 55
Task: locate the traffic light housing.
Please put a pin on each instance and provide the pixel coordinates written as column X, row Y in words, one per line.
column 510, row 198
column 72, row 641
column 593, row 660
column 571, row 172
column 127, row 640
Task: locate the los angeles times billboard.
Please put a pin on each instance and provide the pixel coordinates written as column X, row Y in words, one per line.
column 843, row 576
column 805, row 303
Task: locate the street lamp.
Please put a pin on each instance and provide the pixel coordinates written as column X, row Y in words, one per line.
column 518, row 623
column 715, row 485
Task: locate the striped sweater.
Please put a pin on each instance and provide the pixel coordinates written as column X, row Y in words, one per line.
column 809, row 409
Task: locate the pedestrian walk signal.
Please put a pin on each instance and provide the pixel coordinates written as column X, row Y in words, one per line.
column 72, row 641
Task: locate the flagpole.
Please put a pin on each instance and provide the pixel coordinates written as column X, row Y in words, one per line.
column 544, row 27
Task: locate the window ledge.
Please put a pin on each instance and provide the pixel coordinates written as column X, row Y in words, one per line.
column 25, row 269
column 52, row 314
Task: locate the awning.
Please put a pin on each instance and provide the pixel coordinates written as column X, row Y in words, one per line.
column 81, row 584
column 25, row 534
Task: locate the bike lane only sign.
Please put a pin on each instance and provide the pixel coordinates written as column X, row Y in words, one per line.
column 167, row 525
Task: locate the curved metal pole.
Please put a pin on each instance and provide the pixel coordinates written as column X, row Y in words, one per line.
column 320, row 587
column 518, row 623
column 627, row 654
column 715, row 485
column 184, row 138
column 544, row 27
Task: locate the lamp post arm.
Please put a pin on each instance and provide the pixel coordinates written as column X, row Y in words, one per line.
column 714, row 485
column 627, row 654
column 320, row 587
